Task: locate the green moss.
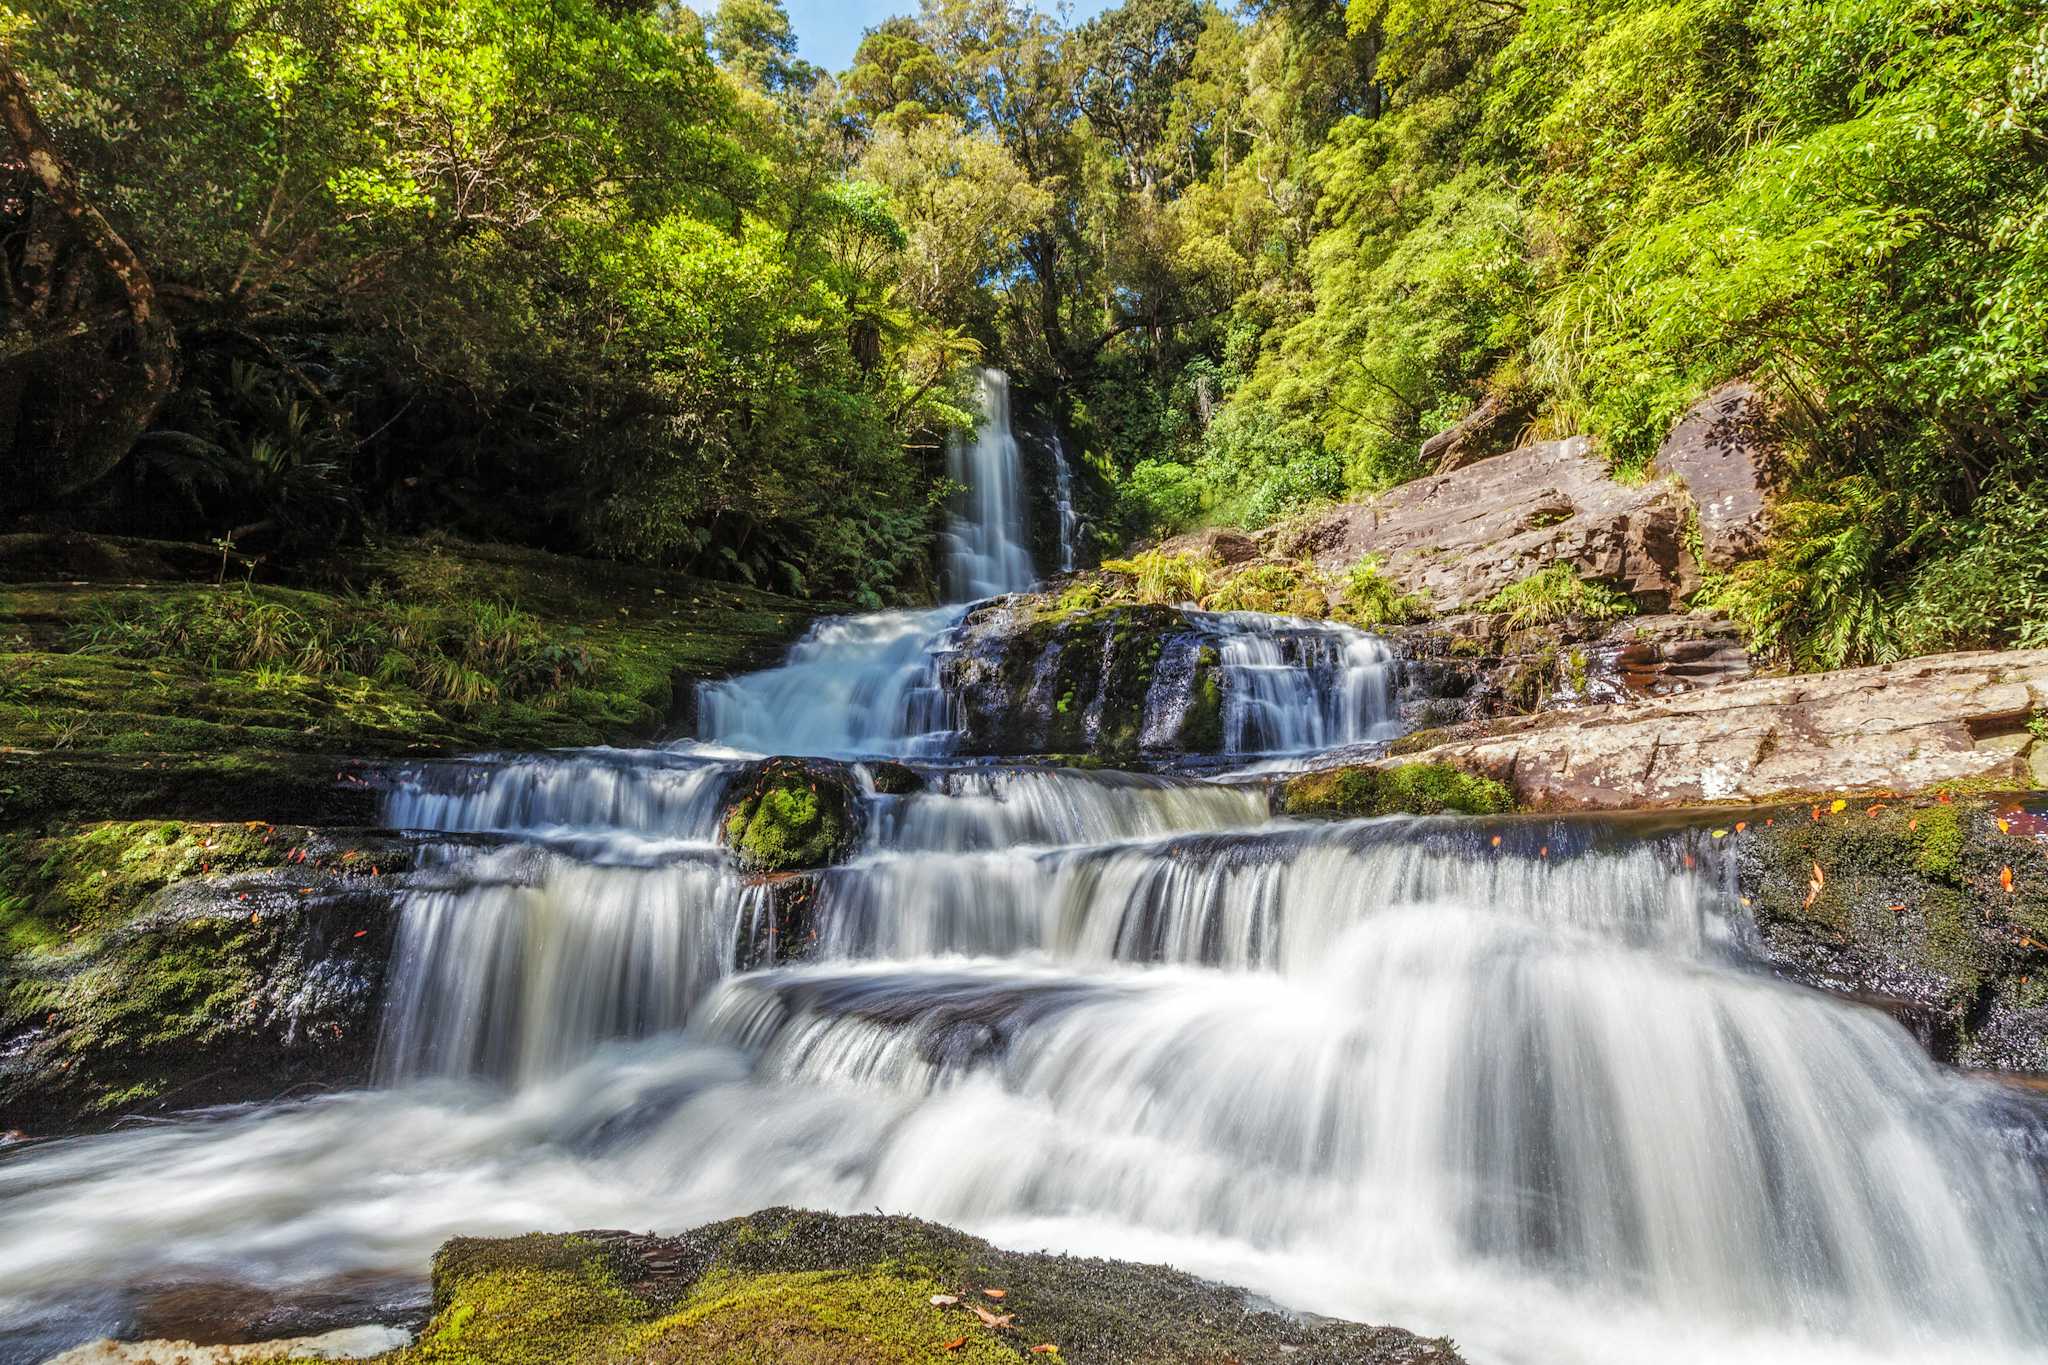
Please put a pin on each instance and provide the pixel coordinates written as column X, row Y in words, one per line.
column 1201, row 729
column 1557, row 593
column 883, row 1317
column 1938, row 842
column 1407, row 788
column 793, row 818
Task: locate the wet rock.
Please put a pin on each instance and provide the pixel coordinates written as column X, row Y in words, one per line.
column 1907, row 905
column 162, row 966
column 1906, row 727
column 789, row 814
column 1721, row 451
column 815, row 1288
column 894, row 779
column 1461, row 537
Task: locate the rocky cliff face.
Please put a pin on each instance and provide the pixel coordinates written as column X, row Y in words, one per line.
column 1459, row 538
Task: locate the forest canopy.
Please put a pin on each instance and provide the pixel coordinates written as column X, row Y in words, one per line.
column 636, row 281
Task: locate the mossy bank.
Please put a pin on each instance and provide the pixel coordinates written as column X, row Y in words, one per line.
column 802, row 1288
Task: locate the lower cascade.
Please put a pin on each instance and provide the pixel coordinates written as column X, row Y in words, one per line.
column 1517, row 1082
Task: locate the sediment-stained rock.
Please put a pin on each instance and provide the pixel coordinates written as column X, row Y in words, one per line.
column 1901, row 727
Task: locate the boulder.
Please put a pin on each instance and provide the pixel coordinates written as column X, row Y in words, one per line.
column 1899, row 727
column 1721, row 452
column 794, row 1286
column 1220, row 543
column 789, row 814
column 1486, row 430
column 1461, row 537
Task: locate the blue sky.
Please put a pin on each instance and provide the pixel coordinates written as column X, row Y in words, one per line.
column 827, row 31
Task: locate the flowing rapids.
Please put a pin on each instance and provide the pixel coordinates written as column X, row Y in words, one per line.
column 1526, row 1091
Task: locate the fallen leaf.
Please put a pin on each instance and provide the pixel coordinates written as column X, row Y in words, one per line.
column 1896, row 909
column 944, row 1300
column 1813, row 889
column 995, row 1293
column 1543, row 852
column 988, row 1319
column 1913, row 823
column 254, row 916
column 1045, row 1348
column 360, row 932
column 1720, row 834
column 2004, row 826
column 1941, row 797
column 1741, row 825
column 1496, row 841
column 2005, row 879
column 1838, row 807
column 955, row 1344
column 1873, row 811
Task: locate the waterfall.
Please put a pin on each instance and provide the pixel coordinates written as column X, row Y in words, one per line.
column 1294, row 686
column 1070, row 520
column 1511, row 1081
column 985, row 540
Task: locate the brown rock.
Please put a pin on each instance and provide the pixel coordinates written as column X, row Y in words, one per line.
column 1901, row 727
column 1463, row 536
column 1225, row 545
column 1485, row 431
column 1721, row 451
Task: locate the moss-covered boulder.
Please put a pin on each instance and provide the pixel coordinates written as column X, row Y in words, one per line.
column 1937, row 907
column 149, row 965
column 814, row 1289
column 1363, row 790
column 791, row 814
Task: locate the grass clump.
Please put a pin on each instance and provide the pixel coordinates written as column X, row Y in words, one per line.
column 1371, row 598
column 1558, row 593
column 1404, row 789
column 1283, row 589
column 1165, row 579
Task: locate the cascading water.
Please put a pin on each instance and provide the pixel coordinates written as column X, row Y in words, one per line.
column 1294, row 686
column 986, row 552
column 1063, row 494
column 1515, row 1083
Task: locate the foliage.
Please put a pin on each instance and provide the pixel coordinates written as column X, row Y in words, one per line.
column 1371, row 598
column 1558, row 593
column 468, row 653
column 1166, row 578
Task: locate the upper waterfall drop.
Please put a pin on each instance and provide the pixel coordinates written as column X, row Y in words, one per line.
column 1070, row 520
column 986, row 554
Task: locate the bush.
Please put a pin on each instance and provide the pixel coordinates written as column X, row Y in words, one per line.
column 1557, row 593
column 1165, row 579
column 1372, row 599
column 1159, row 496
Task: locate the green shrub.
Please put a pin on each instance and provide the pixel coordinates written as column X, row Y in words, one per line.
column 1373, row 599
column 1558, row 593
column 1164, row 578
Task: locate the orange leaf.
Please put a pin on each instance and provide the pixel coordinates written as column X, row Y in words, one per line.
column 1045, row 1348
column 1872, row 812
column 1496, row 841
column 1813, row 889
column 2005, row 879
column 955, row 1344
column 1741, row 825
column 995, row 1293
column 1913, row 823
column 2004, row 826
column 360, row 932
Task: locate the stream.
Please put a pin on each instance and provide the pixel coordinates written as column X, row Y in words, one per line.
column 1515, row 1081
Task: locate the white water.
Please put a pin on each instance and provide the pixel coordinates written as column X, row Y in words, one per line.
column 1063, row 493
column 1294, row 686
column 1527, row 1093
column 986, row 550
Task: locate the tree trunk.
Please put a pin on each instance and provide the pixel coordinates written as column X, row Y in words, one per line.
column 128, row 414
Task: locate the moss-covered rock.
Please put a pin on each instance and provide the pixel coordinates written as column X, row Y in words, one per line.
column 792, row 814
column 1362, row 790
column 1937, row 905
column 155, row 964
column 815, row 1289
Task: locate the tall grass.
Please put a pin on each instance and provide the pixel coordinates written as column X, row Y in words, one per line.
column 466, row 653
